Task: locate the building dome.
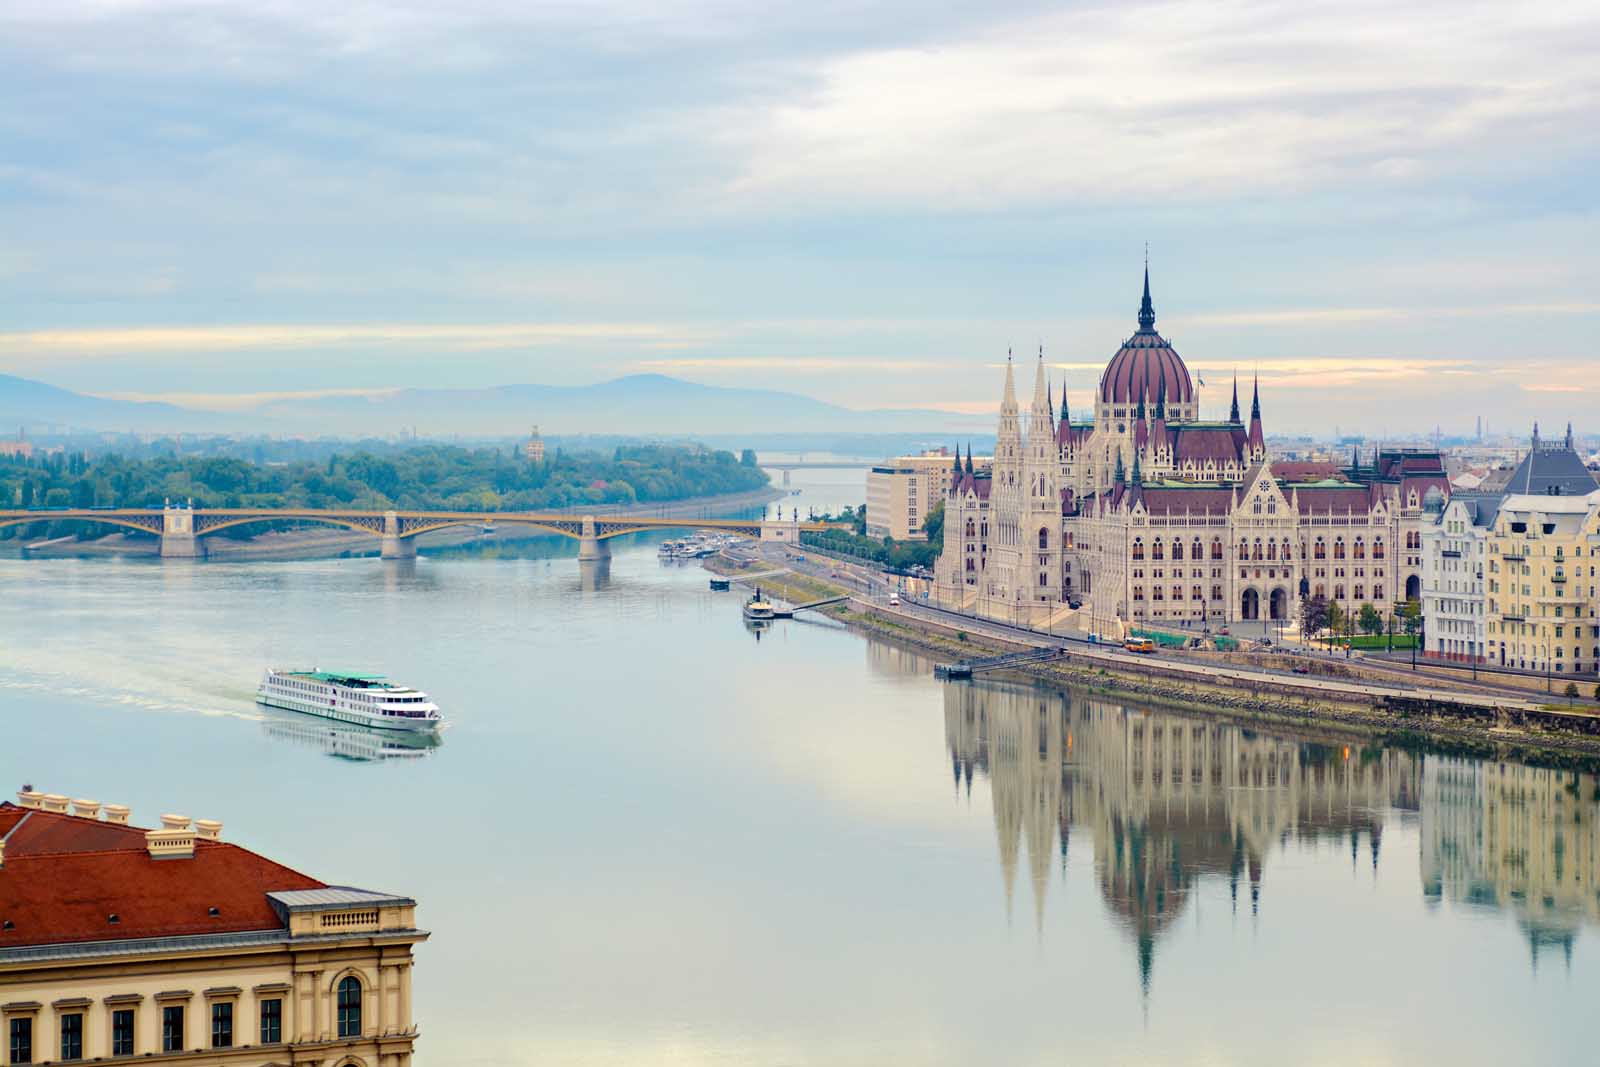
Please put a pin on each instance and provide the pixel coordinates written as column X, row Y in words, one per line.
column 1146, row 366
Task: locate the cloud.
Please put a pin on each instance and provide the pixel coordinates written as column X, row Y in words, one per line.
column 809, row 364
column 124, row 342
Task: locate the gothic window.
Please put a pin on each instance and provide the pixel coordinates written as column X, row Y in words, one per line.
column 1138, row 548
column 1244, row 550
column 1338, row 548
column 1138, row 592
column 1338, row 592
column 1319, row 550
column 1377, row 548
column 1177, row 548
column 1359, row 549
column 1216, row 548
column 1288, row 554
column 1195, row 594
column 1177, row 592
column 1272, row 507
column 1044, row 539
column 1198, row 550
column 1157, row 593
column 1156, row 550
column 1361, row 592
column 1272, row 550
column 1257, row 555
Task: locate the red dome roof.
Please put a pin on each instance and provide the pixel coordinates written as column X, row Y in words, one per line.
column 1146, row 367
column 1143, row 365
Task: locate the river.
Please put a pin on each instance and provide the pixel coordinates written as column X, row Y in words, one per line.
column 647, row 837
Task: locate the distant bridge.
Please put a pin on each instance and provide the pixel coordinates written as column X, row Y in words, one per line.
column 181, row 527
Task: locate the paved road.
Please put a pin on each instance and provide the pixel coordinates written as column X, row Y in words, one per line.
column 874, row 589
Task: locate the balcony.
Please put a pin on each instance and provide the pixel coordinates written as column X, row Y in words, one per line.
column 1450, row 553
column 1515, row 557
column 1559, row 579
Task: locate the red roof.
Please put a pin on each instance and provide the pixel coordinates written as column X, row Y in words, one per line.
column 1191, row 499
column 1355, row 499
column 62, row 877
column 1220, row 444
column 1305, row 471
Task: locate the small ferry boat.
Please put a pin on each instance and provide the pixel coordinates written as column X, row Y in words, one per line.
column 759, row 609
column 360, row 699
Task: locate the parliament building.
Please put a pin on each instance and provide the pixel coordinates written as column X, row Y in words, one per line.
column 1146, row 513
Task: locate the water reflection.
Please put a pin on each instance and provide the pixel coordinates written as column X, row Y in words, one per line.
column 1169, row 802
column 1513, row 837
column 357, row 744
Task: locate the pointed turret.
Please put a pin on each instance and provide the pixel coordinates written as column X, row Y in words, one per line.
column 1122, row 474
column 1147, row 311
column 1138, row 478
column 1569, row 437
column 1008, row 402
column 1258, row 439
column 969, row 457
column 955, row 470
column 1063, row 402
column 1233, row 412
column 1161, row 400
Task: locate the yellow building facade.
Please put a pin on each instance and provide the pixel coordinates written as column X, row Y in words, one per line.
column 1541, row 574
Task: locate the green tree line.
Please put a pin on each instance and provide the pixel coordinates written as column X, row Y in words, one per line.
column 427, row 477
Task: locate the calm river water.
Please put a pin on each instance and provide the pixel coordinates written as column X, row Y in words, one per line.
column 649, row 838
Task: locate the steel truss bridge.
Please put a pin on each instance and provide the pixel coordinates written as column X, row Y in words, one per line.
column 180, row 528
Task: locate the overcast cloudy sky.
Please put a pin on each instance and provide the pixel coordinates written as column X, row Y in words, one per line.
column 1387, row 209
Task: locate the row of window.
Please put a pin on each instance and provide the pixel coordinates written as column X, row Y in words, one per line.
column 70, row 1026
column 1258, row 549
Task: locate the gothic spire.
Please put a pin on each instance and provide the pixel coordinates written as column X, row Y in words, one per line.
column 1122, row 472
column 1147, row 311
column 1140, row 413
column 1255, row 399
column 1138, row 479
column 1063, row 401
column 1233, row 413
column 969, row 457
column 1161, row 399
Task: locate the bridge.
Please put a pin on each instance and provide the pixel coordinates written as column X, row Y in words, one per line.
column 181, row 527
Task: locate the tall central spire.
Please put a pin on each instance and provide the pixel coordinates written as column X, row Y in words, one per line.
column 1147, row 311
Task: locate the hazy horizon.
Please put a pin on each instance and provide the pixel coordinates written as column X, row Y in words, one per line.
column 1385, row 213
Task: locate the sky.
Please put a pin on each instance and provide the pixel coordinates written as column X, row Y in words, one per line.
column 1385, row 210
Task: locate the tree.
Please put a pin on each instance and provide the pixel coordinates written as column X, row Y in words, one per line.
column 1313, row 615
column 1571, row 692
column 747, row 458
column 1411, row 616
column 933, row 526
column 1338, row 619
column 1369, row 620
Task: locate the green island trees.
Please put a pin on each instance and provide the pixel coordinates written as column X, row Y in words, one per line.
column 425, row 477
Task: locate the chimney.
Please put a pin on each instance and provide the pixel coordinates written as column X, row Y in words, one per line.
column 86, row 809
column 170, row 842
column 174, row 822
column 210, row 829
column 30, row 798
column 117, row 813
column 54, row 802
column 2, row 853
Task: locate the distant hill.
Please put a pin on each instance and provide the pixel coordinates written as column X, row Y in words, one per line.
column 40, row 408
column 640, row 404
column 636, row 404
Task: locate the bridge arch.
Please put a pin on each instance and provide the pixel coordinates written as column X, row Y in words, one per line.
column 325, row 520
column 127, row 524
column 487, row 517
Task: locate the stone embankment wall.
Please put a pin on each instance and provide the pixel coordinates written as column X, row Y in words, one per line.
column 1552, row 735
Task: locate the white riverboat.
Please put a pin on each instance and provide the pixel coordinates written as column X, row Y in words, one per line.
column 360, row 699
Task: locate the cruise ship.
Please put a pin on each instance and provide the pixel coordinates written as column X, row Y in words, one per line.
column 359, row 699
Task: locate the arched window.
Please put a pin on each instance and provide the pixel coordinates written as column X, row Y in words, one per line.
column 1338, row 548
column 1377, row 548
column 1360, row 549
column 1319, row 550
column 1138, row 548
column 1156, row 551
column 1258, row 548
column 350, row 1007
column 1216, row 548
column 1177, row 548
column 1044, row 539
column 1272, row 549
column 1198, row 551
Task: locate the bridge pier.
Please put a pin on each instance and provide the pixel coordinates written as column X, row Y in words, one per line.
column 394, row 545
column 177, row 534
column 590, row 546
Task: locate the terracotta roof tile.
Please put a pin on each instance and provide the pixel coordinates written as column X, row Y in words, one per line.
column 63, row 876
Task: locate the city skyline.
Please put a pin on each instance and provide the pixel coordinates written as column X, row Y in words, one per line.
column 1380, row 212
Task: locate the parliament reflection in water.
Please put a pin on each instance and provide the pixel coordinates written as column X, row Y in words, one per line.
column 1169, row 801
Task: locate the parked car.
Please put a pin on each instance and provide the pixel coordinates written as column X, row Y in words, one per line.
column 894, row 601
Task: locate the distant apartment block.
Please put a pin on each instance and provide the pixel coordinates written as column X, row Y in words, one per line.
column 901, row 491
column 533, row 448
